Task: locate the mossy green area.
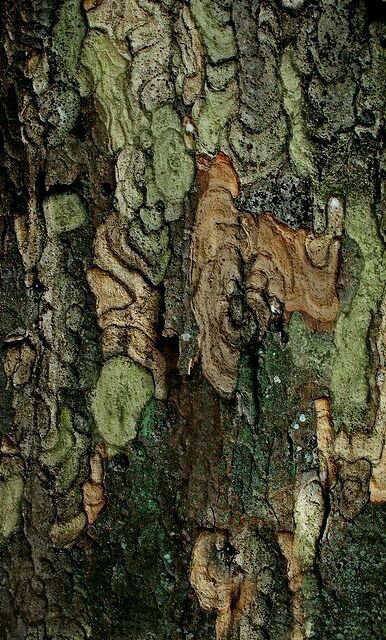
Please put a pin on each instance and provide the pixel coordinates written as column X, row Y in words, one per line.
column 290, row 372
column 286, row 388
column 122, row 391
column 264, row 464
column 352, row 361
column 63, row 449
column 136, row 579
column 173, row 166
column 67, row 37
column 148, row 420
column 11, row 494
column 64, row 212
column 312, row 604
column 352, row 569
column 279, row 406
column 218, row 38
column 251, row 455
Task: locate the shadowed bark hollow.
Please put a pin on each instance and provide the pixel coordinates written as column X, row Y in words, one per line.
column 192, row 320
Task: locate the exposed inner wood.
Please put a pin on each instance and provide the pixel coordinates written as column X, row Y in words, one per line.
column 127, row 304
column 231, row 249
column 325, row 439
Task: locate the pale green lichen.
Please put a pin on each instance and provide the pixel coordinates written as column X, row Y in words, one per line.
column 173, row 166
column 172, row 210
column 350, row 382
column 105, row 75
column 122, row 391
column 67, row 37
column 63, row 106
column 128, row 196
column 64, row 212
column 151, row 218
column 63, row 449
column 218, row 38
column 300, row 147
column 218, row 107
column 11, row 494
column 308, row 517
column 220, row 75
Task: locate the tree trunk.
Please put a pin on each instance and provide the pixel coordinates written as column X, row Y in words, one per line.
column 193, row 320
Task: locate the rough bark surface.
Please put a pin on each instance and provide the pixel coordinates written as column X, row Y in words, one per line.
column 193, row 320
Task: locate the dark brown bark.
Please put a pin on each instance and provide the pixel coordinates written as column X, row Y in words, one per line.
column 192, row 401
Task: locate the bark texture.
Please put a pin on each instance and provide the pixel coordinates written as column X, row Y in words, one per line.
column 193, row 320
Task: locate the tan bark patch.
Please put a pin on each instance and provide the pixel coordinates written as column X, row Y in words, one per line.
column 295, row 580
column 94, row 494
column 127, row 305
column 378, row 480
column 216, row 271
column 292, row 266
column 225, row 587
column 295, row 267
column 325, row 438
column 18, row 364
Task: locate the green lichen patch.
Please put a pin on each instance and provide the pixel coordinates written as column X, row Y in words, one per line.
column 149, row 419
column 104, row 74
column 64, row 449
column 151, row 218
column 121, row 393
column 154, row 247
column 219, row 76
column 11, row 494
column 214, row 115
column 64, row 212
column 300, row 147
column 352, row 361
column 67, row 37
column 218, row 38
column 173, row 166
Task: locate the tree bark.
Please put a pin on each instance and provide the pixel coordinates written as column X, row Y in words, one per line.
column 193, row 321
